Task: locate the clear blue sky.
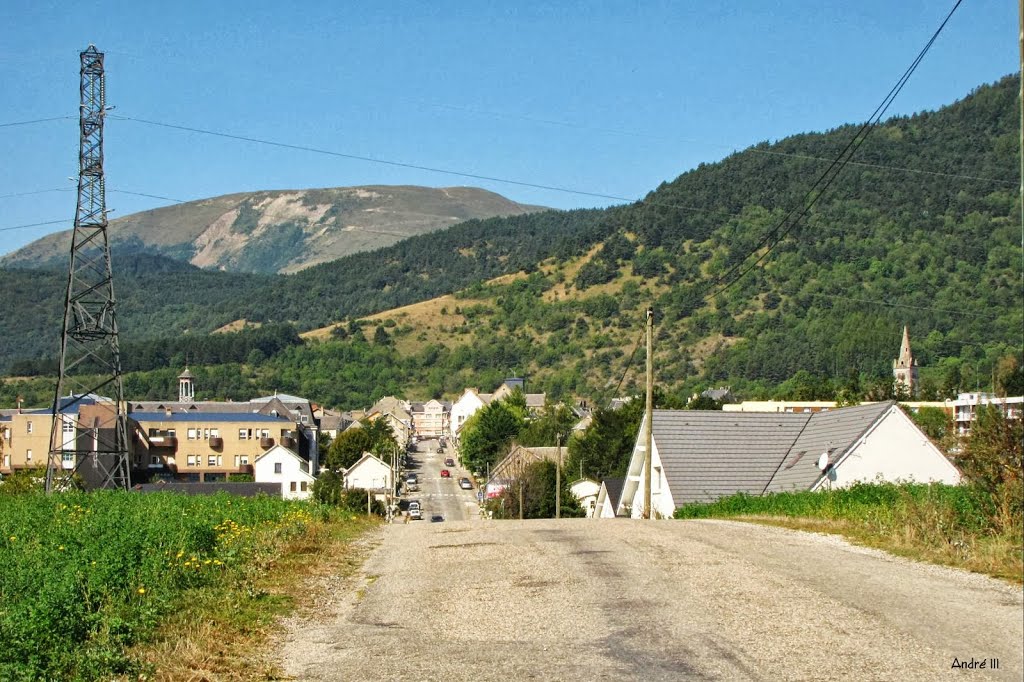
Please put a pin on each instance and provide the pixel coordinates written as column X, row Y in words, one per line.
column 605, row 97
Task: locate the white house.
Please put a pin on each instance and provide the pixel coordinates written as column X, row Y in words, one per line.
column 585, row 491
column 700, row 456
column 369, row 473
column 464, row 408
column 281, row 465
column 608, row 497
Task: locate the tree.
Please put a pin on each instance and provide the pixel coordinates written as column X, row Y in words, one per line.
column 992, row 462
column 552, row 426
column 535, row 484
column 374, row 435
column 1009, row 377
column 488, row 433
column 347, row 448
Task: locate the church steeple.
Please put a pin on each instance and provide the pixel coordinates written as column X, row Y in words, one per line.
column 904, row 368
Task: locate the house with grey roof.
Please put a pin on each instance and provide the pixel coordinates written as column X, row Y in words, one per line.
column 608, row 498
column 700, row 456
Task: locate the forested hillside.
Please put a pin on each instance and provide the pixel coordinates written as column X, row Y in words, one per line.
column 923, row 230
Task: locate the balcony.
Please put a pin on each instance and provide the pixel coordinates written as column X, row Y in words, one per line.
column 266, row 443
column 164, row 441
column 288, row 442
column 216, row 442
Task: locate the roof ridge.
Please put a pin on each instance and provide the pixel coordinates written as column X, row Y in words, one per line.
column 786, row 454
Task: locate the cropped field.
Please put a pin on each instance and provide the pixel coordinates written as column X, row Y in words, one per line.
column 91, row 585
column 943, row 524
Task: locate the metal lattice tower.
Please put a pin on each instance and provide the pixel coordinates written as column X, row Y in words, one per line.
column 89, row 437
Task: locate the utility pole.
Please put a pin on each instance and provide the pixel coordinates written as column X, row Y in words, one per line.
column 90, row 359
column 649, row 414
column 558, row 478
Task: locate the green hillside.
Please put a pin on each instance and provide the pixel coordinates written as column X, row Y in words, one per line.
column 923, row 230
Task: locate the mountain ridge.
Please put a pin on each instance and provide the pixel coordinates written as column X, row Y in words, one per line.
column 283, row 231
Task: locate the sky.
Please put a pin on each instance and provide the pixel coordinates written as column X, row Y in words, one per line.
column 606, row 99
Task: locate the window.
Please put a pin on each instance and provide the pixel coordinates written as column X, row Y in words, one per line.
column 292, row 487
column 244, row 459
column 214, row 433
column 67, row 426
column 28, row 455
column 154, row 460
column 193, row 434
column 304, row 419
column 28, row 427
column 304, row 486
column 171, row 433
column 211, row 461
column 192, row 461
column 265, row 433
column 277, row 467
column 243, row 434
column 7, row 461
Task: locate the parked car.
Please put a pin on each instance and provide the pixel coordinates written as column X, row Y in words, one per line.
column 414, row 510
column 449, row 462
column 411, row 479
column 436, row 518
column 465, row 483
column 445, row 473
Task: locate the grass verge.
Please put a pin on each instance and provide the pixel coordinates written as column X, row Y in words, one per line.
column 937, row 523
column 223, row 633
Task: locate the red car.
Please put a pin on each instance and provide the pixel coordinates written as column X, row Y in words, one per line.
column 445, row 473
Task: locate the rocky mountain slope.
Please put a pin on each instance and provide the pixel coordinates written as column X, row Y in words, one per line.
column 283, row 231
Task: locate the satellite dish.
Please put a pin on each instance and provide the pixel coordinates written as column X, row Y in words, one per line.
column 823, row 461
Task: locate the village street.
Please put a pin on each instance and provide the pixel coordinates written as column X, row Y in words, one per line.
column 580, row 599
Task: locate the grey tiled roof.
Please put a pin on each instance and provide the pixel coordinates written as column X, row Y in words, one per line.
column 835, row 432
column 707, row 454
column 614, row 486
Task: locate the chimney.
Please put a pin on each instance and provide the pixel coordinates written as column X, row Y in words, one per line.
column 20, row 400
column 167, row 411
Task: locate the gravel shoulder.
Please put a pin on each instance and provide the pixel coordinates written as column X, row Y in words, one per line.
column 580, row 599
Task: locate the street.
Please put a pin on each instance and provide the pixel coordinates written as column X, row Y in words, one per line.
column 439, row 495
column 583, row 599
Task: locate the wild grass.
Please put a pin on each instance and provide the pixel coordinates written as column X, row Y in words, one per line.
column 942, row 524
column 121, row 585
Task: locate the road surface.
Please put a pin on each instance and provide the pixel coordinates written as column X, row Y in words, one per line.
column 437, row 495
column 581, row 599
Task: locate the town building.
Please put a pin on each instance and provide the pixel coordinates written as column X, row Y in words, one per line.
column 700, row 456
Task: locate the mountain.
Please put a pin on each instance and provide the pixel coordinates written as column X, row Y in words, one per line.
column 923, row 229
column 282, row 231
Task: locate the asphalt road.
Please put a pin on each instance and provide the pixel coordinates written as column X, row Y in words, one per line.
column 439, row 495
column 580, row 599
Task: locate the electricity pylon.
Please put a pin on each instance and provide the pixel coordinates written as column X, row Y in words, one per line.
column 89, row 436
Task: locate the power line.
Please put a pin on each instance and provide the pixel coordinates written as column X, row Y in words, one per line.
column 21, row 227
column 38, row 120
column 774, row 236
column 386, row 162
column 151, row 196
column 37, row 191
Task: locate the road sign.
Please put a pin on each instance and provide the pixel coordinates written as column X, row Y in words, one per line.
column 480, row 495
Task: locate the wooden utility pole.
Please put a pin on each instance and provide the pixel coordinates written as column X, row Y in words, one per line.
column 558, row 478
column 649, row 414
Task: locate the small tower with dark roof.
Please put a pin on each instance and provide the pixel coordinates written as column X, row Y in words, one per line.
column 904, row 368
column 186, row 387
